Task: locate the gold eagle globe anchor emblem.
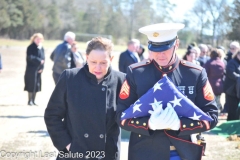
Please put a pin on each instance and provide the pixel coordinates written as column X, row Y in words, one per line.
column 155, row 34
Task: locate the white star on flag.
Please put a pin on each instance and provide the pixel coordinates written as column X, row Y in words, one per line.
column 157, row 86
column 137, row 101
column 123, row 114
column 155, row 105
column 136, row 108
column 176, row 102
column 195, row 117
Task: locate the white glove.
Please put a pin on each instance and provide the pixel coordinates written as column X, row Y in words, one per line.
column 164, row 119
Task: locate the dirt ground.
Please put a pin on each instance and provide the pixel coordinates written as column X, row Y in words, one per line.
column 22, row 128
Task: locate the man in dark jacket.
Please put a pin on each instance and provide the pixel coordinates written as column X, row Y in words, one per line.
column 130, row 56
column 62, row 57
column 232, row 76
column 203, row 58
column 165, row 135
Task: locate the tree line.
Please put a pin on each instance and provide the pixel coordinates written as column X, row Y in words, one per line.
column 210, row 21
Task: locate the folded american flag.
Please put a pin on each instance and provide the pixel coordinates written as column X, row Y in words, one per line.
column 164, row 93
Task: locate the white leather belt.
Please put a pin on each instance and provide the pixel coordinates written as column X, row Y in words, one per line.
column 172, row 148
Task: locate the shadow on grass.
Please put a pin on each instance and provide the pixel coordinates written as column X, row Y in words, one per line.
column 21, row 117
column 41, row 133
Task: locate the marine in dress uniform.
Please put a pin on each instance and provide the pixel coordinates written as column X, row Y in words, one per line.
column 148, row 141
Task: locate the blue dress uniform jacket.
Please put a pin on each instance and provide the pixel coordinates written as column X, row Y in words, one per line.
column 88, row 110
column 126, row 59
column 155, row 145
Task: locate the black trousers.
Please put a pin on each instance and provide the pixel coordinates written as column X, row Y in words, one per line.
column 232, row 104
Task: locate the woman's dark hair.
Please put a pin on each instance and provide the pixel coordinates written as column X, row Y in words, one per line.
column 100, row 43
column 186, row 54
column 215, row 53
column 143, row 49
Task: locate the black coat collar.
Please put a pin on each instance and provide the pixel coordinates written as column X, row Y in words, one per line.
column 92, row 76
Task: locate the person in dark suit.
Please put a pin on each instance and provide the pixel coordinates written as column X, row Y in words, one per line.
column 34, row 68
column 80, row 115
column 232, row 76
column 130, row 56
column 164, row 135
column 203, row 58
column 62, row 56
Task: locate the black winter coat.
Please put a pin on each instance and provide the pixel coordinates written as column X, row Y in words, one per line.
column 88, row 110
column 232, row 75
column 32, row 78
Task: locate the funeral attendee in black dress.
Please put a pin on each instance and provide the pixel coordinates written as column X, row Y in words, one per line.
column 35, row 63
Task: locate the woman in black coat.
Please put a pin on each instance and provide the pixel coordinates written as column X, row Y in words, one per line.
column 232, row 76
column 80, row 115
column 35, row 63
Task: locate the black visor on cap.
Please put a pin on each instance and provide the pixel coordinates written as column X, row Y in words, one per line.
column 160, row 46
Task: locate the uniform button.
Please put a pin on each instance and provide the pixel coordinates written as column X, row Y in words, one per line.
column 198, row 123
column 139, row 135
column 191, row 124
column 137, row 122
column 160, row 67
column 103, row 89
column 86, row 135
column 184, row 126
column 144, row 124
column 170, row 68
column 101, row 136
column 132, row 121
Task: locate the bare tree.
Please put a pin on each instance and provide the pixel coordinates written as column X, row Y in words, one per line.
column 211, row 16
column 216, row 10
column 199, row 11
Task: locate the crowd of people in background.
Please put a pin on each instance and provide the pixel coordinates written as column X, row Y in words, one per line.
column 64, row 56
column 223, row 70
